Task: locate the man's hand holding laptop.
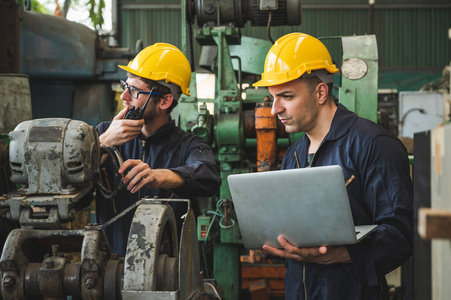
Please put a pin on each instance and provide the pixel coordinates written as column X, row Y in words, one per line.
column 320, row 255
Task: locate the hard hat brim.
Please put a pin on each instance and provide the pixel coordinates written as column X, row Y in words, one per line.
column 135, row 72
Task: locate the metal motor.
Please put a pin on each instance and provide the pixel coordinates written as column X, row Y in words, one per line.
column 49, row 156
column 54, row 161
column 238, row 12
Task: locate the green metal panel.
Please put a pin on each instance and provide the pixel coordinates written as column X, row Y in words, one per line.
column 251, row 62
column 227, row 261
column 359, row 87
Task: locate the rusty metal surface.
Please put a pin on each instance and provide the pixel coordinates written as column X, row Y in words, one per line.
column 249, row 126
column 189, row 260
column 16, row 257
column 153, row 260
column 144, row 245
column 266, row 128
column 51, row 276
column 49, row 155
column 55, row 160
column 114, row 272
column 55, row 277
column 71, row 279
column 32, row 279
column 63, row 211
column 167, row 269
column 95, row 254
column 145, row 252
column 154, row 295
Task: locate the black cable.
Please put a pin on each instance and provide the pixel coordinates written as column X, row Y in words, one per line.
column 409, row 111
column 117, row 161
column 401, row 123
column 268, row 28
column 191, row 46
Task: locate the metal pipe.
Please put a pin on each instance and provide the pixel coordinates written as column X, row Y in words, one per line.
column 266, row 128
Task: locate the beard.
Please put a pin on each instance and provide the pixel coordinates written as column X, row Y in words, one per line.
column 307, row 121
column 150, row 113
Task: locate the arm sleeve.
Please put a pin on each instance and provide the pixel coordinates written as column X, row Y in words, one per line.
column 201, row 174
column 387, row 193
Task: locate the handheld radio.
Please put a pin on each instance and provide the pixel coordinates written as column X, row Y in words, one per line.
column 137, row 113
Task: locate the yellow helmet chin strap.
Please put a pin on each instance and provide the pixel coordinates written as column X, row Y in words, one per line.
column 322, row 74
column 176, row 91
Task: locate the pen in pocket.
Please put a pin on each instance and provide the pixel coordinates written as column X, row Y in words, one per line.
column 350, row 180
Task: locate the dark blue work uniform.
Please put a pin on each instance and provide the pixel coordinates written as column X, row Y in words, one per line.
column 380, row 193
column 168, row 148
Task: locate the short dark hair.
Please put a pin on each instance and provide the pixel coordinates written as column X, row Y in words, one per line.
column 313, row 81
column 159, row 88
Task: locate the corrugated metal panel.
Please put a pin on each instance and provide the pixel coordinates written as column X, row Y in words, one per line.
column 150, row 24
column 414, row 37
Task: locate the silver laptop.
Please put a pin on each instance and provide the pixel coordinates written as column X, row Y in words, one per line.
column 308, row 206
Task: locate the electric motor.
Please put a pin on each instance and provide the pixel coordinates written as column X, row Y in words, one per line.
column 50, row 156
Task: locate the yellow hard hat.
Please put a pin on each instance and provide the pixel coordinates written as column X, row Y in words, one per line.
column 164, row 63
column 293, row 55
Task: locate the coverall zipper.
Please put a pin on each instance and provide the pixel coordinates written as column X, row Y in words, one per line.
column 303, row 263
column 143, row 143
column 314, row 154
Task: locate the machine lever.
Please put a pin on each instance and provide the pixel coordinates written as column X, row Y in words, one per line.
column 115, row 218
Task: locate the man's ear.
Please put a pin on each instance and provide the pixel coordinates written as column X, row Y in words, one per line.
column 322, row 90
column 166, row 101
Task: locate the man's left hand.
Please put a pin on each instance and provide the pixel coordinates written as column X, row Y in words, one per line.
column 141, row 174
column 320, row 255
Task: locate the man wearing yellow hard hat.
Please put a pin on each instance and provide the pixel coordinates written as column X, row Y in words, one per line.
column 299, row 75
column 160, row 159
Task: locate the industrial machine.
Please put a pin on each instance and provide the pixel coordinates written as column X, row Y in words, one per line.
column 55, row 162
column 237, row 123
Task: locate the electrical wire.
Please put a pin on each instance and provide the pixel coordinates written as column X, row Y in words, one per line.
column 401, row 123
column 219, row 213
column 116, row 158
column 268, row 27
column 216, row 213
column 214, row 289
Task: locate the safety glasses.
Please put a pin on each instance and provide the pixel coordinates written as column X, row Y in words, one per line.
column 134, row 92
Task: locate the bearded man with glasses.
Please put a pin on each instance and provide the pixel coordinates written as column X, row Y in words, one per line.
column 160, row 159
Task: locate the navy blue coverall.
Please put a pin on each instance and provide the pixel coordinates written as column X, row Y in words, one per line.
column 381, row 194
column 168, row 148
